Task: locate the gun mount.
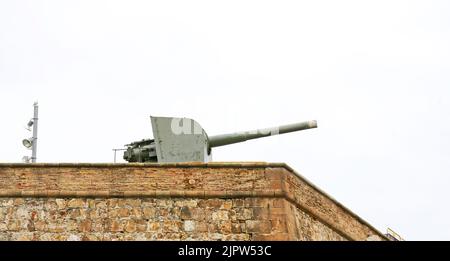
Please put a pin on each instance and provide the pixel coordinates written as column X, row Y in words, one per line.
column 183, row 140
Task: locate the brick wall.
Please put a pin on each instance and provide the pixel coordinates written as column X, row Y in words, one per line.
column 189, row 201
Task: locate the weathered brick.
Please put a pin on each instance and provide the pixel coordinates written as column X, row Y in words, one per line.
column 260, row 213
column 258, row 226
column 91, row 203
column 132, row 202
column 171, row 226
column 244, row 213
column 123, row 212
column 189, row 225
column 130, row 226
column 115, row 226
column 277, row 211
column 220, row 215
column 76, row 203
column 85, row 226
column 186, row 213
column 201, row 227
column 61, row 203
column 225, row 227
column 149, row 212
column 154, row 226
column 279, row 225
column 271, row 237
column 236, row 228
column 210, row 203
column 278, row 203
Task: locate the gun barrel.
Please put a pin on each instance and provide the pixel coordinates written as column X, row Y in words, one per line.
column 226, row 139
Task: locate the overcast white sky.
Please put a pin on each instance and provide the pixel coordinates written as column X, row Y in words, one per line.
column 374, row 74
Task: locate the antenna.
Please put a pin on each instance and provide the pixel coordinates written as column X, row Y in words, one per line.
column 115, row 151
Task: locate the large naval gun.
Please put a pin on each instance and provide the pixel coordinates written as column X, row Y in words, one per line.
column 184, row 140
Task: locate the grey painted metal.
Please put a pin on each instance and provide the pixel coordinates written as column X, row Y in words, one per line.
column 35, row 133
column 184, row 140
column 179, row 140
column 227, row 139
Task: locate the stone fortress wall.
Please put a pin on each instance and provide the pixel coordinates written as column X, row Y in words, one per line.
column 185, row 201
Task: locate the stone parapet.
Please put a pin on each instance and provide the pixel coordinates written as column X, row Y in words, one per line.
column 183, row 201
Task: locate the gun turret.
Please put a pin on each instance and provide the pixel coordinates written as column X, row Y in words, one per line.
column 183, row 139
